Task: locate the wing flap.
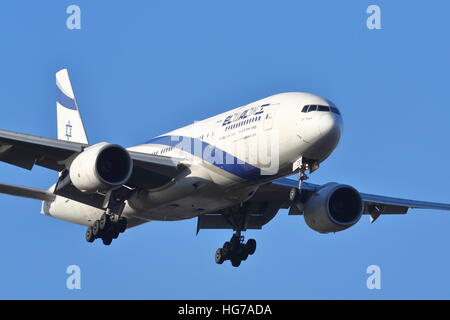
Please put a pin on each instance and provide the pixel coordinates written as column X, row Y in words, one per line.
column 259, row 213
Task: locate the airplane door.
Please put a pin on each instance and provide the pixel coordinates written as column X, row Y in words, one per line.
column 268, row 120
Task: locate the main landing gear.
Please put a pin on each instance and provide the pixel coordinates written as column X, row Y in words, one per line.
column 235, row 250
column 111, row 223
column 107, row 228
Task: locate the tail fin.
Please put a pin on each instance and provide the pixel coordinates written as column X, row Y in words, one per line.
column 70, row 125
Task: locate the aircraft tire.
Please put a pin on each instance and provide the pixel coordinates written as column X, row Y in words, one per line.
column 243, row 253
column 236, row 261
column 96, row 229
column 90, row 235
column 104, row 222
column 107, row 240
column 251, row 246
column 219, row 256
column 122, row 223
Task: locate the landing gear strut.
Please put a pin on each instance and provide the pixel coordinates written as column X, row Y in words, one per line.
column 235, row 250
column 302, row 176
column 296, row 193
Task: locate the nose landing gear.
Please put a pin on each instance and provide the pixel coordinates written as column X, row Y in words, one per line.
column 296, row 193
column 302, row 176
column 303, row 165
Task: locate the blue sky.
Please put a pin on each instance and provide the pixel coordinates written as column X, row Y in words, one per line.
column 141, row 68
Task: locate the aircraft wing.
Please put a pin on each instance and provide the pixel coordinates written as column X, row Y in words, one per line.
column 272, row 196
column 26, row 192
column 25, row 151
column 375, row 205
column 45, row 195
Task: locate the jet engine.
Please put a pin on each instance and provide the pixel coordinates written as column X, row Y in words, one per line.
column 100, row 168
column 333, row 207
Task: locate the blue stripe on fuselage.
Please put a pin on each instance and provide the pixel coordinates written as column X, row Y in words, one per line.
column 64, row 100
column 214, row 155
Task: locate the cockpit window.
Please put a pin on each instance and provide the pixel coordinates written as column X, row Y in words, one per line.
column 335, row 110
column 313, row 107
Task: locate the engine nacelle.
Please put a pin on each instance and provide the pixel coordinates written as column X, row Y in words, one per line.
column 101, row 167
column 332, row 208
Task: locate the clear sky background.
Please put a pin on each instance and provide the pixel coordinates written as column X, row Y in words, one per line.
column 141, row 68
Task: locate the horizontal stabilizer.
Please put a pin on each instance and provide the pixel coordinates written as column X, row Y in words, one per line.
column 26, row 192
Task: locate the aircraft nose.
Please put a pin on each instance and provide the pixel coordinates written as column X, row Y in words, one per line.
column 330, row 126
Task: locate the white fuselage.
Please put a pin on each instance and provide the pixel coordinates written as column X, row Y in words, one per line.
column 227, row 157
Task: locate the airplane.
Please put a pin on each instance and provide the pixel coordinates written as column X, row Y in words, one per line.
column 229, row 171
